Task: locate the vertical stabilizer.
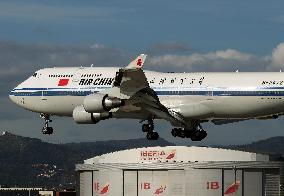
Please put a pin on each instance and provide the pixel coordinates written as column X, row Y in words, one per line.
column 138, row 62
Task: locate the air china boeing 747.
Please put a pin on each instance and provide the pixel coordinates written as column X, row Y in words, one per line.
column 186, row 100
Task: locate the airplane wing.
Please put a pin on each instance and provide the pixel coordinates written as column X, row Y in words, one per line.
column 131, row 85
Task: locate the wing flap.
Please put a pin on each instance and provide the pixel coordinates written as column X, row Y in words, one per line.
column 226, row 121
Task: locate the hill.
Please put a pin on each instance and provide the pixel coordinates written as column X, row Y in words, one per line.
column 28, row 161
column 271, row 146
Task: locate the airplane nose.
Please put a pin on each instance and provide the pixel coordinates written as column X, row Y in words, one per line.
column 12, row 97
column 16, row 95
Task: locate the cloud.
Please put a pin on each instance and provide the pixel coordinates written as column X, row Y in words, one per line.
column 277, row 57
column 231, row 54
column 19, row 59
column 221, row 60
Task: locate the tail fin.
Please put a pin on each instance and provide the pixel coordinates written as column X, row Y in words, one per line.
column 138, row 62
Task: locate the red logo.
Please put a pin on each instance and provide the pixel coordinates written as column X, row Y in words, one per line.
column 213, row 185
column 233, row 188
column 171, row 155
column 63, row 82
column 160, row 190
column 105, row 189
column 146, row 185
column 139, row 62
column 155, row 155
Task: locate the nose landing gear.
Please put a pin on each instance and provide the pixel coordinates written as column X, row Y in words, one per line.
column 149, row 129
column 47, row 130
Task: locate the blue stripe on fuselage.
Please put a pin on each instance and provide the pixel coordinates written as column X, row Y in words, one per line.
column 76, row 92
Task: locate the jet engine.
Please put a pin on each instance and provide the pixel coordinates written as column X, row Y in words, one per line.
column 97, row 103
column 80, row 116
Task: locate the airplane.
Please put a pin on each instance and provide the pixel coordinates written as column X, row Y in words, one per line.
column 186, row 100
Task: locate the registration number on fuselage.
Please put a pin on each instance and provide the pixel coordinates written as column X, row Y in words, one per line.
column 274, row 82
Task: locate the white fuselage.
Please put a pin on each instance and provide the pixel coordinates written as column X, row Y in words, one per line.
column 206, row 96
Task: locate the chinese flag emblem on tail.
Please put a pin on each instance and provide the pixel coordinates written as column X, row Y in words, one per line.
column 139, row 63
column 63, row 82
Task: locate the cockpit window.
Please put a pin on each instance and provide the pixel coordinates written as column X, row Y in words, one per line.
column 35, row 74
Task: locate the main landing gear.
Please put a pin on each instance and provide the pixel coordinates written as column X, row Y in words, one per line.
column 149, row 129
column 196, row 133
column 46, row 128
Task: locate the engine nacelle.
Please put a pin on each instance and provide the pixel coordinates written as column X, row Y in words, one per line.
column 80, row 116
column 98, row 103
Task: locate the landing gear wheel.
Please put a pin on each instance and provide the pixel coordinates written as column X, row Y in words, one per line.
column 182, row 133
column 152, row 135
column 149, row 136
column 49, row 130
column 204, row 134
column 199, row 135
column 175, row 132
column 195, row 133
column 147, row 128
column 179, row 132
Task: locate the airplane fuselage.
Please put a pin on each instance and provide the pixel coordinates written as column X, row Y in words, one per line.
column 206, row 96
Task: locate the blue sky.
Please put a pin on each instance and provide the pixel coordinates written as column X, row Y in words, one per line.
column 253, row 26
column 204, row 35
